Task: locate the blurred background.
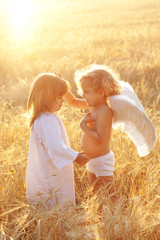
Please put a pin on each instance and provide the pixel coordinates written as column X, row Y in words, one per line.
column 62, row 36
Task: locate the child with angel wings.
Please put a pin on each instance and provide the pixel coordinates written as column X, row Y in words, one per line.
column 111, row 102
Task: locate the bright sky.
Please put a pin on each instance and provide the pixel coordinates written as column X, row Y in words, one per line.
column 20, row 11
column 20, row 16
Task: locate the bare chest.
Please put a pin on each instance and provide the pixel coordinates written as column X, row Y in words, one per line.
column 92, row 115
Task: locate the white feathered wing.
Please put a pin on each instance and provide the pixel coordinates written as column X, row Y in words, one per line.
column 130, row 115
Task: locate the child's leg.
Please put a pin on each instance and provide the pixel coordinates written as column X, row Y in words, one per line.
column 107, row 182
column 92, row 178
column 93, row 181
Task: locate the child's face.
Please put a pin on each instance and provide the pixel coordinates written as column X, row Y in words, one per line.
column 92, row 96
column 58, row 104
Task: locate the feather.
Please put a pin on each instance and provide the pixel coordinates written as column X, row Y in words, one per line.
column 130, row 115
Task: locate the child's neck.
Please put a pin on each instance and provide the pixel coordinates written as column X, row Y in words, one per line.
column 100, row 103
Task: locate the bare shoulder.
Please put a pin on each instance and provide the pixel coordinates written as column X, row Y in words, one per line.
column 104, row 115
column 105, row 111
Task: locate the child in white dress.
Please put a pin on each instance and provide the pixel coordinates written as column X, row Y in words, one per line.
column 49, row 175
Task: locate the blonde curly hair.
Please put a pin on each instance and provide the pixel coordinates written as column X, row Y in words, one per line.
column 100, row 77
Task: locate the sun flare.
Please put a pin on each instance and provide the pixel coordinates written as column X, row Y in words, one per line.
column 20, row 16
column 20, row 13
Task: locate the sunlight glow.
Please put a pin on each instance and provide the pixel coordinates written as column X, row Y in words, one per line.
column 23, row 18
column 20, row 15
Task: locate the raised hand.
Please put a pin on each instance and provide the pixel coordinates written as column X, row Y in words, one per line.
column 87, row 119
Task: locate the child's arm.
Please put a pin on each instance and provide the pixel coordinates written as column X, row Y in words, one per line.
column 103, row 125
column 75, row 102
column 81, row 159
column 48, row 132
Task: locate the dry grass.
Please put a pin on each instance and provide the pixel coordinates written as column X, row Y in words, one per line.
column 71, row 35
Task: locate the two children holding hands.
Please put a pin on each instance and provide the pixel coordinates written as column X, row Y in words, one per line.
column 50, row 177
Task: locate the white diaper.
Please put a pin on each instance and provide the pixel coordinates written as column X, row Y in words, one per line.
column 102, row 166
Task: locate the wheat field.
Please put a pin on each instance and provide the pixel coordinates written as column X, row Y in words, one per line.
column 64, row 36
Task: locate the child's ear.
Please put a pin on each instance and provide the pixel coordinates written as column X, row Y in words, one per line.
column 101, row 92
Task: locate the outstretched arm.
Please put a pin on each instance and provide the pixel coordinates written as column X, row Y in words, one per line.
column 75, row 102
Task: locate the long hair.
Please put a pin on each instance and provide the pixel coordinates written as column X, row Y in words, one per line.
column 43, row 94
column 100, row 77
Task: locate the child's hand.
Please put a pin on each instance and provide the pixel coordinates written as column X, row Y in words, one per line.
column 58, row 74
column 81, row 159
column 87, row 119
